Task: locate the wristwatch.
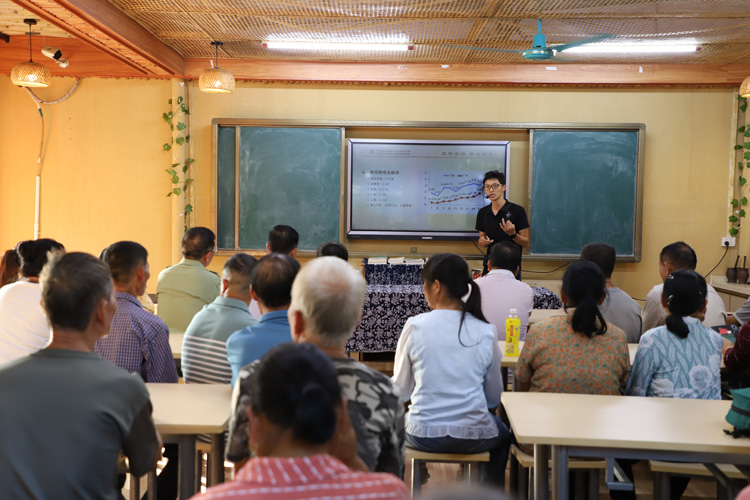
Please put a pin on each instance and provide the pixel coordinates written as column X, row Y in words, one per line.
column 513, row 235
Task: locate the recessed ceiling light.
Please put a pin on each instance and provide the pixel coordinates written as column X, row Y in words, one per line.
column 639, row 48
column 337, row 46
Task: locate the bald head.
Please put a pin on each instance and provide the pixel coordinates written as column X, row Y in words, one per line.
column 329, row 295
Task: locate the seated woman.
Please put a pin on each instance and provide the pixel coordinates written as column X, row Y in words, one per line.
column 299, row 423
column 576, row 352
column 23, row 324
column 682, row 358
column 448, row 364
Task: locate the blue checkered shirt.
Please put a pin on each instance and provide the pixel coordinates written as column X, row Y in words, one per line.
column 138, row 342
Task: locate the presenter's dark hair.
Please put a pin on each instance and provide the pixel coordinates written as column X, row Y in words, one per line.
column 10, row 265
column 601, row 254
column 453, row 273
column 240, row 269
column 583, row 285
column 684, row 293
column 680, row 255
column 333, row 248
column 283, row 239
column 197, row 242
column 505, row 255
column 296, row 386
column 494, row 174
column 272, row 279
column 72, row 286
column 33, row 255
column 124, row 258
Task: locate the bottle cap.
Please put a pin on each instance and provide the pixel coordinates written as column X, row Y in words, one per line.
column 514, row 311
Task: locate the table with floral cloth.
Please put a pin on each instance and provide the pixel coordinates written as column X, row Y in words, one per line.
column 387, row 307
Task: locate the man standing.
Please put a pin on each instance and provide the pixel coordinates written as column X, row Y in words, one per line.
column 272, row 289
column 67, row 413
column 501, row 291
column 183, row 289
column 501, row 220
column 618, row 308
column 204, row 348
column 138, row 341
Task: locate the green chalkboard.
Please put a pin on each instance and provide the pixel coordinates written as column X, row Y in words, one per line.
column 287, row 175
column 585, row 188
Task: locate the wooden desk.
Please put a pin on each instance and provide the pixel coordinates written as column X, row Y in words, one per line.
column 175, row 343
column 186, row 410
column 560, row 425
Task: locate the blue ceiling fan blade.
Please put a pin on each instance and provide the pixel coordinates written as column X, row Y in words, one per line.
column 593, row 39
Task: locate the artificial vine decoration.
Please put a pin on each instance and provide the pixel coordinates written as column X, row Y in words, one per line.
column 740, row 201
column 181, row 139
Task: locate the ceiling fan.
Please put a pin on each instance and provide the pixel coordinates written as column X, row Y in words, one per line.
column 540, row 51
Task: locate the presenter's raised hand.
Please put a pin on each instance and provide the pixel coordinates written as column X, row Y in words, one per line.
column 508, row 227
column 485, row 241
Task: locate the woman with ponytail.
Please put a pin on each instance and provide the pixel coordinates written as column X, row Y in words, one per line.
column 577, row 351
column 682, row 358
column 448, row 364
column 303, row 442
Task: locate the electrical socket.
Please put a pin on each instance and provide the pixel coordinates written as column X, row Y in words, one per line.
column 728, row 241
column 413, row 249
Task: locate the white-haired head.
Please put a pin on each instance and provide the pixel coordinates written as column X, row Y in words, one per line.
column 329, row 294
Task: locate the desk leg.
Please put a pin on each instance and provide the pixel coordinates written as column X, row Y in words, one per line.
column 216, row 460
column 541, row 472
column 186, row 478
column 559, row 473
column 504, row 375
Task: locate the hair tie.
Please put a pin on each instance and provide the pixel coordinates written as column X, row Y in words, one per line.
column 669, row 300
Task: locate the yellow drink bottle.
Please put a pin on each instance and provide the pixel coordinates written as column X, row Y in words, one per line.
column 512, row 333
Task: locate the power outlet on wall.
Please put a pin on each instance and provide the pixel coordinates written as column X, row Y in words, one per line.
column 728, row 241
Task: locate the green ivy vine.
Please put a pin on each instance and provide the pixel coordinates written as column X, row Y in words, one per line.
column 179, row 186
column 740, row 201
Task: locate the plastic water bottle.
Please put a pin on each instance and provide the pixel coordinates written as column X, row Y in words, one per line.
column 512, row 333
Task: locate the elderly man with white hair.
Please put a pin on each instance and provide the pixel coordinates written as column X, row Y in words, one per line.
column 327, row 299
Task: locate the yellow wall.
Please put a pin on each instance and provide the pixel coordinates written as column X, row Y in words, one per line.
column 104, row 172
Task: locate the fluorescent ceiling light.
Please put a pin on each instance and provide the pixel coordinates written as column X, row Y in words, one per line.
column 640, row 48
column 337, row 46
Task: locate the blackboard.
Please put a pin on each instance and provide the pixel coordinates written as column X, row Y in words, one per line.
column 287, row 175
column 585, row 188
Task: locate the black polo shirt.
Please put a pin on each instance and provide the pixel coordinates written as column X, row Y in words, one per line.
column 489, row 223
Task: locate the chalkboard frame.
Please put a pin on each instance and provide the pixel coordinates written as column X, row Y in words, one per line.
column 359, row 124
column 640, row 129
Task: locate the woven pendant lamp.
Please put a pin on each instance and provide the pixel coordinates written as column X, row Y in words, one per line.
column 216, row 80
column 745, row 87
column 30, row 74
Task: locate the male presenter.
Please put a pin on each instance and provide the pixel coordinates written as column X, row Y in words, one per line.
column 501, row 220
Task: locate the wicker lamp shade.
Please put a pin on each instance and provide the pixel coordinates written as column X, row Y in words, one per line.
column 30, row 74
column 216, row 81
column 745, row 87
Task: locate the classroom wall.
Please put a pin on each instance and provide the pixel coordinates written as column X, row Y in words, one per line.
column 103, row 176
column 104, row 170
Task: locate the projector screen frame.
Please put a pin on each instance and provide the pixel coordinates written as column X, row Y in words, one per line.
column 412, row 234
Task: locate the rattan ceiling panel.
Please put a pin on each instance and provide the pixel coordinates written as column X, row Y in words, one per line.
column 720, row 27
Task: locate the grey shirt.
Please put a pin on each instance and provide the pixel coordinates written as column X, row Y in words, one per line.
column 65, row 417
column 620, row 310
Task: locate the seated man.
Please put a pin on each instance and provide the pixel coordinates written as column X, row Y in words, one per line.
column 138, row 341
column 679, row 255
column 272, row 280
column 327, row 300
column 281, row 239
column 67, row 413
column 501, row 291
column 183, row 289
column 204, row 348
column 333, row 248
column 618, row 308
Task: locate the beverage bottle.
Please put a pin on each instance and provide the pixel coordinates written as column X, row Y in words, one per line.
column 512, row 333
